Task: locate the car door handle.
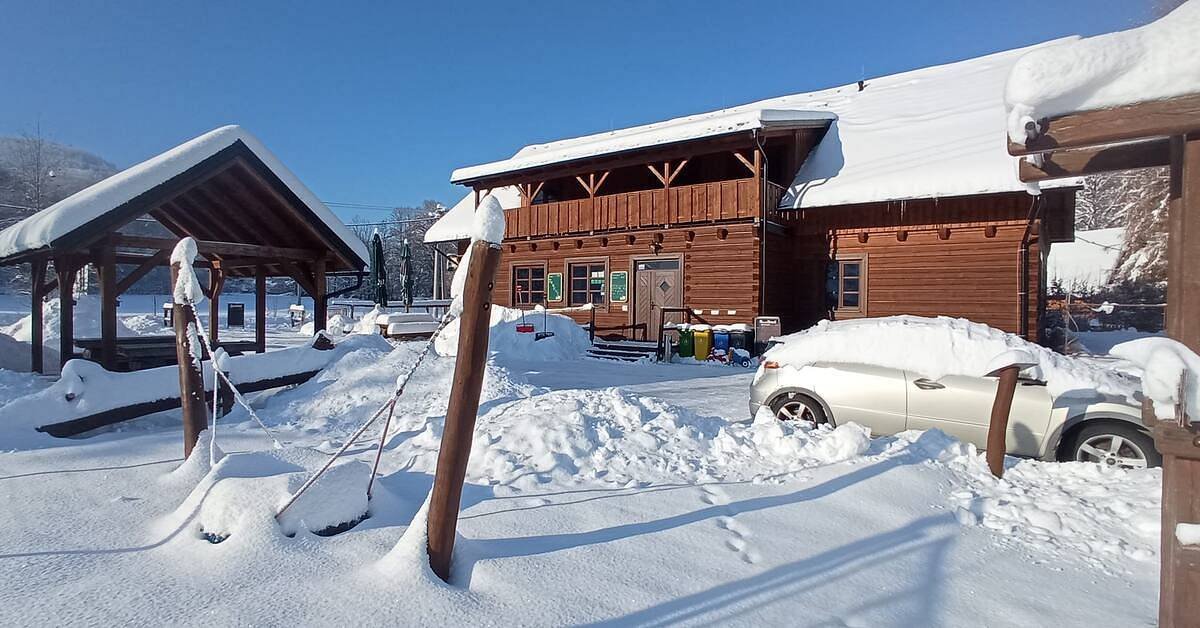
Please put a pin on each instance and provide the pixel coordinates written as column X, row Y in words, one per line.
column 927, row 384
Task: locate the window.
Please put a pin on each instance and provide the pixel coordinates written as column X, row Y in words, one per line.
column 587, row 283
column 529, row 285
column 846, row 283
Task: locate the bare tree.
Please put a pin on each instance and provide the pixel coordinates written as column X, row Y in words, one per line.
column 35, row 169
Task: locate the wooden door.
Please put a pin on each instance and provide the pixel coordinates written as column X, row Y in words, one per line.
column 658, row 283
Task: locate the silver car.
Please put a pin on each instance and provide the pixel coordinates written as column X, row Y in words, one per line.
column 1106, row 429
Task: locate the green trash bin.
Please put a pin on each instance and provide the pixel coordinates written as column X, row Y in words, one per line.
column 687, row 347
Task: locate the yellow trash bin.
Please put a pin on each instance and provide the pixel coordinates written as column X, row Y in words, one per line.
column 702, row 337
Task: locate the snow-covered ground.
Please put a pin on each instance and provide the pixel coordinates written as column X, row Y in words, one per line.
column 629, row 494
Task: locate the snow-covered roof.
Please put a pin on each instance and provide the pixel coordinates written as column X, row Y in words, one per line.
column 927, row 133
column 1086, row 262
column 683, row 129
column 456, row 224
column 1153, row 62
column 43, row 228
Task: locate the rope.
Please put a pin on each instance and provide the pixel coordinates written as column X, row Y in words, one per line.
column 218, row 374
column 389, row 405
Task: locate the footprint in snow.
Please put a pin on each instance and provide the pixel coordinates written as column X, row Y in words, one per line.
column 713, row 495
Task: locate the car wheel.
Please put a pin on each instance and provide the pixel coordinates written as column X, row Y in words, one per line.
column 1115, row 445
column 793, row 407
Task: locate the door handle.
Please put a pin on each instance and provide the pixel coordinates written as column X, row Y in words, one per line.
column 927, row 384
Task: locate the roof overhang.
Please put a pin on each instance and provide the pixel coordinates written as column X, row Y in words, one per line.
column 645, row 139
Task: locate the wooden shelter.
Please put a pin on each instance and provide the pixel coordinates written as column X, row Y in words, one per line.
column 869, row 199
column 1154, row 133
column 250, row 215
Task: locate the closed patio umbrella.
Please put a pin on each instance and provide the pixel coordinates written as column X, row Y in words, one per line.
column 378, row 272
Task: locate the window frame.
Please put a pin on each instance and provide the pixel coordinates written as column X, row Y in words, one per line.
column 514, row 282
column 839, row 306
column 569, row 264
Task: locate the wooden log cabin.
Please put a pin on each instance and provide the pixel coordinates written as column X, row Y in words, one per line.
column 888, row 196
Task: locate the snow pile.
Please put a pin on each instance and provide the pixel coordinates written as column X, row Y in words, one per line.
column 569, row 341
column 1164, row 362
column 86, row 320
column 1153, row 62
column 1088, row 261
column 937, row 347
column 368, row 323
column 458, row 223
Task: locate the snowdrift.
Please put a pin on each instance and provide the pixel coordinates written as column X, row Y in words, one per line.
column 937, row 347
column 569, row 342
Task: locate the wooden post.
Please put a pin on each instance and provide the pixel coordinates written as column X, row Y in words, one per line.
column 1179, row 576
column 66, row 270
column 998, row 426
column 191, row 378
column 37, row 276
column 260, row 309
column 106, row 267
column 216, row 282
column 464, row 405
column 320, row 301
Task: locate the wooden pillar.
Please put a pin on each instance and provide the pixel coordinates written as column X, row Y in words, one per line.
column 37, row 275
column 191, row 378
column 445, row 501
column 260, row 309
column 216, row 282
column 66, row 270
column 320, row 301
column 1179, row 576
column 106, row 267
column 997, row 437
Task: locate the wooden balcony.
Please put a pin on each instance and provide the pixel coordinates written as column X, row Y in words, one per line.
column 683, row 205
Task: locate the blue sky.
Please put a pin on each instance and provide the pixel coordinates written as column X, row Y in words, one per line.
column 377, row 102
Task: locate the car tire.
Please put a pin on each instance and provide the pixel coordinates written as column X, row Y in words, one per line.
column 797, row 407
column 1113, row 443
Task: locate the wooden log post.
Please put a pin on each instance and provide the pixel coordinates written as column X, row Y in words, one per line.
column 216, row 283
column 1179, row 576
column 464, row 405
column 66, row 271
column 106, row 267
column 191, row 377
column 997, row 437
column 37, row 276
column 320, row 297
column 260, row 309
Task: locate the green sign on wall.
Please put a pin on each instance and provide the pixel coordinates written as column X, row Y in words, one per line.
column 554, row 287
column 619, row 286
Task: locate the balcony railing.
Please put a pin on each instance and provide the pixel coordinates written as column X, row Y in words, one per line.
column 683, row 205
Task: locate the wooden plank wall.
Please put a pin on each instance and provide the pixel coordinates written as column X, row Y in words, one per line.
column 718, row 274
column 958, row 257
column 704, row 202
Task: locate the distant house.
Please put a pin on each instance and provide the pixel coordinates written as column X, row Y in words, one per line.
column 882, row 197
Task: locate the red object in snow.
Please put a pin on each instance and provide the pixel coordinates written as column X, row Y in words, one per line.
column 524, row 328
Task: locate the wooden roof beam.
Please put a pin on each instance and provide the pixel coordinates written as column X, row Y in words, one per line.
column 1075, row 163
column 1159, row 118
column 235, row 249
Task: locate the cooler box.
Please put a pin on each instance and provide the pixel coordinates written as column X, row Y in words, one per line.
column 721, row 338
column 702, row 338
column 687, row 347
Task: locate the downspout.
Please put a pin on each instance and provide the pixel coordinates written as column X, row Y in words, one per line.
column 1035, row 209
column 763, row 215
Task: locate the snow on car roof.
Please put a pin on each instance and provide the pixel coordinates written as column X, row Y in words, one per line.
column 1153, row 62
column 937, row 347
column 63, row 217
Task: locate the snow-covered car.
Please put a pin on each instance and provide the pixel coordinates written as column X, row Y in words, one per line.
column 905, row 372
